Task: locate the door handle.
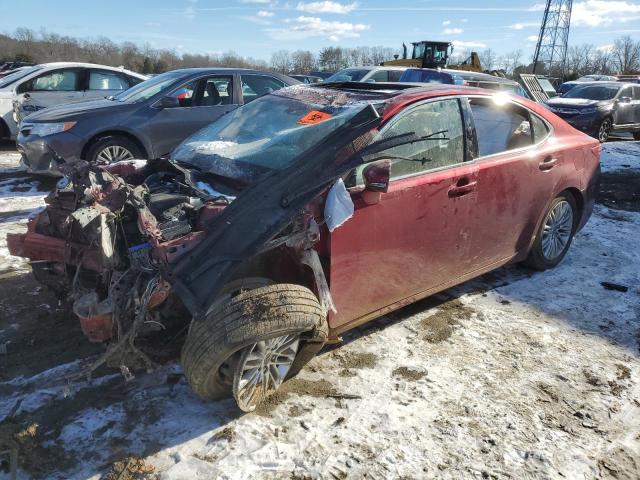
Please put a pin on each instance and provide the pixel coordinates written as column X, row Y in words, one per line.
column 547, row 164
column 461, row 188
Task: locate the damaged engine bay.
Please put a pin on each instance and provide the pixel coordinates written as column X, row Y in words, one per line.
column 140, row 247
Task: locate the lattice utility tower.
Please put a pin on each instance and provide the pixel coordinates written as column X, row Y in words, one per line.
column 551, row 50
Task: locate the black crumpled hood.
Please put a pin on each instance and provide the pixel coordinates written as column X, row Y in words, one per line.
column 265, row 209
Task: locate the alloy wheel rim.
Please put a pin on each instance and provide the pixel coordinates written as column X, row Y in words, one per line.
column 113, row 154
column 604, row 131
column 557, row 230
column 262, row 368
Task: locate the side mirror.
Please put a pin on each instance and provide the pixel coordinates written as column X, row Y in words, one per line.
column 625, row 99
column 167, row 102
column 376, row 181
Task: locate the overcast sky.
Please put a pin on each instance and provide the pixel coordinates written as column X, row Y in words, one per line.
column 259, row 27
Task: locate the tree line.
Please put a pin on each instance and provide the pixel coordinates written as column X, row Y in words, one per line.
column 623, row 56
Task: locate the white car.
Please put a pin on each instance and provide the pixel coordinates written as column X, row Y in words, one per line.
column 367, row 74
column 41, row 86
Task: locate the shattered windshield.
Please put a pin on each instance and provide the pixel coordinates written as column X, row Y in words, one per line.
column 268, row 133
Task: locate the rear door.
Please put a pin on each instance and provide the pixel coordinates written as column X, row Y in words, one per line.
column 55, row 87
column 518, row 168
column 416, row 238
column 104, row 83
column 201, row 102
column 625, row 114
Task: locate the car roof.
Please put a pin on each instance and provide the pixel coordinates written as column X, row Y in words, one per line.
column 52, row 65
column 371, row 68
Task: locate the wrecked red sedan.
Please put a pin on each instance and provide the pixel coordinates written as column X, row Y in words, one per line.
column 303, row 214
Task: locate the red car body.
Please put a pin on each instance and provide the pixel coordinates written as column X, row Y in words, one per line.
column 431, row 230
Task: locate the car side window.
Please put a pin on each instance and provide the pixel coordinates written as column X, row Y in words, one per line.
column 56, row 81
column 500, row 127
column 626, row 92
column 254, row 86
column 438, row 124
column 540, row 128
column 213, row 91
column 106, row 80
column 394, row 75
column 379, row 76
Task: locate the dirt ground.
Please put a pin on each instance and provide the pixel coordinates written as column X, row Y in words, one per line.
column 513, row 375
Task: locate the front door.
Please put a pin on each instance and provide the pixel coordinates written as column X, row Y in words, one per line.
column 201, row 102
column 416, row 237
column 625, row 108
column 55, row 87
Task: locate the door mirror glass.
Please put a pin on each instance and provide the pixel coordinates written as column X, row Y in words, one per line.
column 168, row 102
column 625, row 99
column 376, row 176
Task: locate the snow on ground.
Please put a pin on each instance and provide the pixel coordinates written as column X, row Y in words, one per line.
column 511, row 375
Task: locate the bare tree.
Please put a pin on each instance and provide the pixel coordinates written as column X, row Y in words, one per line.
column 281, row 61
column 626, row 55
column 488, row 59
column 302, row 61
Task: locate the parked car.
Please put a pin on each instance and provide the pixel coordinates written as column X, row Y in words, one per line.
column 566, row 86
column 307, row 78
column 9, row 66
column 367, row 74
column 599, row 108
column 48, row 84
column 306, row 213
column 146, row 121
column 628, row 78
column 461, row 77
column 4, row 73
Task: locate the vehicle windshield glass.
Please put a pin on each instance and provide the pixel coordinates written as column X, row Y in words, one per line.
column 348, row 75
column 15, row 76
column 593, row 92
column 429, row 76
column 148, row 88
column 266, row 134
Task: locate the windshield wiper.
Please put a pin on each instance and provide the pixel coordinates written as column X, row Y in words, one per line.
column 397, row 141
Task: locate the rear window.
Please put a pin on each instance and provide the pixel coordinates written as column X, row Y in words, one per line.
column 500, row 127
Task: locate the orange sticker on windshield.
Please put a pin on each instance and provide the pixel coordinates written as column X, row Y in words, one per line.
column 314, row 116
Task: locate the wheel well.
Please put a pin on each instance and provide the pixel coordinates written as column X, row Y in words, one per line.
column 577, row 196
column 113, row 133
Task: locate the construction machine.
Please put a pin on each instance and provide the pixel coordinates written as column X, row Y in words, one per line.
column 430, row 54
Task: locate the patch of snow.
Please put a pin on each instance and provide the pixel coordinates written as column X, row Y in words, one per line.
column 620, row 156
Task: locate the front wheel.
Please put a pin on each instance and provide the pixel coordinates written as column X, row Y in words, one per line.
column 604, row 131
column 555, row 234
column 251, row 343
column 112, row 149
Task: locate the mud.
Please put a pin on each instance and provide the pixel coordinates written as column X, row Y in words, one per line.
column 438, row 327
column 296, row 386
column 38, row 333
column 620, row 190
column 409, row 374
column 132, row 468
column 349, row 360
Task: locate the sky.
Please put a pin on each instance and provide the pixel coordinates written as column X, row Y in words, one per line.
column 257, row 28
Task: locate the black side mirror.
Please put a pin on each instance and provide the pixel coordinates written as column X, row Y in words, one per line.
column 167, row 102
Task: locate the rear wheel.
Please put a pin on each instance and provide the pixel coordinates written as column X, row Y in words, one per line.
column 250, row 343
column 555, row 234
column 604, row 131
column 113, row 149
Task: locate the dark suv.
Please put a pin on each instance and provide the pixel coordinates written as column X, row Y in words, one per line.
column 599, row 108
column 145, row 121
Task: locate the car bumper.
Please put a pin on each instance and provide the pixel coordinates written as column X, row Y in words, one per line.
column 587, row 123
column 46, row 154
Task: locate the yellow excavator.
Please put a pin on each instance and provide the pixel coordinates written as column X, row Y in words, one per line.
column 429, row 54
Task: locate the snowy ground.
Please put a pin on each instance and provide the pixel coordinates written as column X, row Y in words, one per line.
column 511, row 375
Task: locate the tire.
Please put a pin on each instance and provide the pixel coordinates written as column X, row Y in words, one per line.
column 636, row 136
column 604, row 130
column 537, row 258
column 112, row 149
column 215, row 345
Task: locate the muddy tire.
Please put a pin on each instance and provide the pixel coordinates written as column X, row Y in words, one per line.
column 216, row 345
column 112, row 149
column 555, row 233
